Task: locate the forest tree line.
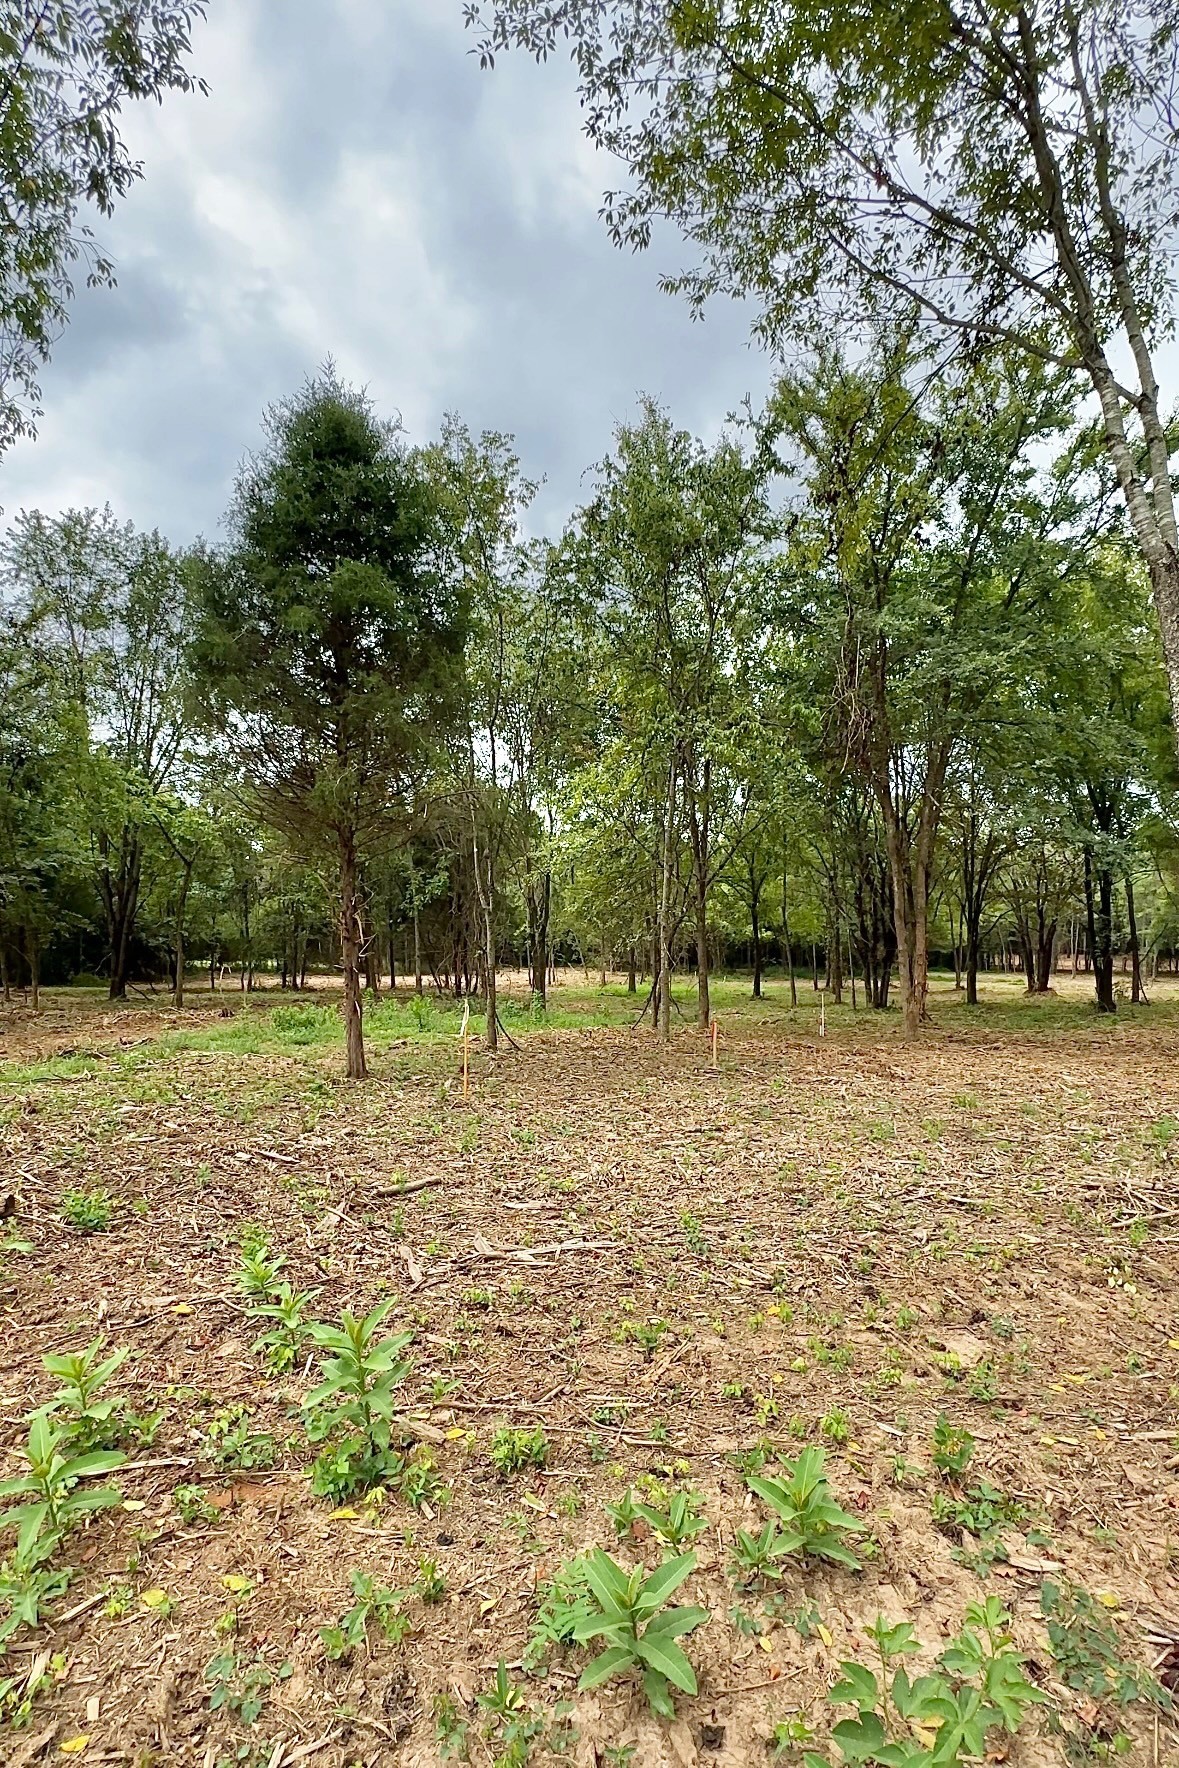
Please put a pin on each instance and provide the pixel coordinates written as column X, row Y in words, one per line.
column 872, row 676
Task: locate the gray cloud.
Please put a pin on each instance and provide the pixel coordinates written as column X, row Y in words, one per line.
column 356, row 186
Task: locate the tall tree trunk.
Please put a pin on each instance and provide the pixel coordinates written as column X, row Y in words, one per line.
column 754, row 903
column 350, row 956
column 489, row 965
column 632, row 980
column 178, row 955
column 1137, row 998
column 33, row 950
column 417, row 946
column 664, row 985
column 1098, row 912
column 787, row 952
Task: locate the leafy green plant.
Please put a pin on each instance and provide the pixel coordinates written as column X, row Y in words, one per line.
column 282, row 1342
column 192, row 1506
column 240, row 1686
column 1088, row 1650
column 450, row 1729
column 810, row 1522
column 512, row 1450
column 563, row 1602
column 680, row 1521
column 512, row 1723
column 938, row 1719
column 88, row 1211
column 93, row 1422
column 361, row 1374
column 258, row 1272
column 981, row 1509
column 28, row 1588
column 648, row 1334
column 383, row 1606
column 230, row 1441
column 953, row 1447
column 53, row 1504
column 640, row 1631
column 430, row 1582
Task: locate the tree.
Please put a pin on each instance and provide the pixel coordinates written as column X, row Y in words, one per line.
column 1011, row 169
column 66, row 68
column 483, row 497
column 674, row 542
column 107, row 608
column 921, row 551
column 327, row 644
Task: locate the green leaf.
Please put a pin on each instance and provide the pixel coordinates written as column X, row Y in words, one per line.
column 606, row 1664
column 655, row 1688
column 858, row 1688
column 664, row 1581
column 664, row 1655
column 673, row 1623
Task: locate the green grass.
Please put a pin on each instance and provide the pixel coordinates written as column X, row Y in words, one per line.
column 265, row 1024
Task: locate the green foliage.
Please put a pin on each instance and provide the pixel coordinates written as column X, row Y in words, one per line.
column 241, row 1685
column 88, row 1211
column 357, row 1400
column 513, row 1450
column 28, row 1589
column 93, row 1422
column 230, row 1441
column 979, row 1684
column 953, row 1446
column 430, row 1582
column 450, row 1728
column 630, row 1612
column 809, row 1521
column 282, row 1342
column 678, row 1522
column 372, row 1604
column 562, row 1604
column 258, row 1271
column 1088, row 1651
column 192, row 1506
column 981, row 1509
column 53, row 1503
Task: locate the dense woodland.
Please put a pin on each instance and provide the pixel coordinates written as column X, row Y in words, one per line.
column 873, row 679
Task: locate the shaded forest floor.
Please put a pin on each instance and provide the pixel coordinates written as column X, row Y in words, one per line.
column 670, row 1272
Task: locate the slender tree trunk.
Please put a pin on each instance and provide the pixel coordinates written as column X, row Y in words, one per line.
column 851, row 971
column 754, row 903
column 178, row 958
column 971, row 930
column 1098, row 910
column 1137, row 998
column 350, row 956
column 417, row 947
column 489, row 963
column 5, row 973
column 787, row 952
column 33, row 949
column 632, row 981
column 665, row 910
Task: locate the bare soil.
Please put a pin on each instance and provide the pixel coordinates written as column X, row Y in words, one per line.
column 843, row 1237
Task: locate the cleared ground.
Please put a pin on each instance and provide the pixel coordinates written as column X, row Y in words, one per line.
column 667, row 1269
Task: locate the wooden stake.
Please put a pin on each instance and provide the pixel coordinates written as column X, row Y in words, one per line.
column 714, row 1043
column 466, row 1037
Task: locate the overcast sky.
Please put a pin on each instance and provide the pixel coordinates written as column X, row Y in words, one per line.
column 354, row 185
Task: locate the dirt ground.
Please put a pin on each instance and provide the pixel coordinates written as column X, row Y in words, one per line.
column 828, row 1239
